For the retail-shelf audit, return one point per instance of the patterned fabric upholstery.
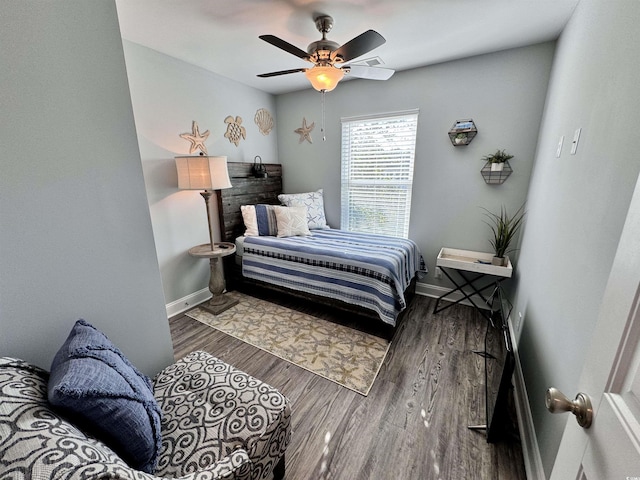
(38, 444)
(210, 409)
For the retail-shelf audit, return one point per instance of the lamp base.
(219, 304)
(219, 301)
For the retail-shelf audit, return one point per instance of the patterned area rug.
(343, 355)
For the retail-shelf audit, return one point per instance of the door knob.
(557, 402)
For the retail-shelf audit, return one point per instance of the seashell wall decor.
(264, 121)
(235, 131)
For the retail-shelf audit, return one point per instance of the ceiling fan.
(330, 59)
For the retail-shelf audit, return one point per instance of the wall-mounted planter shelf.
(462, 132)
(496, 177)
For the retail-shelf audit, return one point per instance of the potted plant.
(504, 229)
(461, 139)
(497, 160)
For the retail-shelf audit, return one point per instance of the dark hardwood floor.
(412, 425)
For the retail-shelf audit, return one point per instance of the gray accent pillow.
(95, 386)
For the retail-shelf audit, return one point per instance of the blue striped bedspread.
(371, 271)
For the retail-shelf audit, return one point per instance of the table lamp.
(203, 173)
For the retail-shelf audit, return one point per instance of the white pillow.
(250, 221)
(292, 221)
(315, 206)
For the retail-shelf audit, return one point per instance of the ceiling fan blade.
(281, 72)
(363, 43)
(286, 46)
(371, 73)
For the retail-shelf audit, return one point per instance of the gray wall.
(75, 233)
(504, 94)
(577, 203)
(76, 238)
(167, 95)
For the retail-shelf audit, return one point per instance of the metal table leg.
(467, 295)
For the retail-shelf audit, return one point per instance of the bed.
(375, 274)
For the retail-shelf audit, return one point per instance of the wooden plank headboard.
(247, 190)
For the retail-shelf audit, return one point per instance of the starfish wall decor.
(197, 140)
(305, 131)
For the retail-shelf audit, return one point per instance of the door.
(610, 449)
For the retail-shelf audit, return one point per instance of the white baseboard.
(185, 303)
(530, 451)
(436, 291)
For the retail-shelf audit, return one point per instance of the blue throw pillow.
(96, 387)
(266, 219)
(259, 220)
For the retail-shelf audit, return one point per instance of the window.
(377, 172)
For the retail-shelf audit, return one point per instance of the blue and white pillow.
(315, 206)
(259, 220)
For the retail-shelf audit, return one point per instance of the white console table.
(472, 274)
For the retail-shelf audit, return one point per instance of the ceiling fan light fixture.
(324, 77)
(328, 56)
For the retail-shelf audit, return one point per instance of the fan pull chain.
(324, 138)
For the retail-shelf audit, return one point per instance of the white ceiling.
(222, 35)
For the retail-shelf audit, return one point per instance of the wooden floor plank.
(414, 422)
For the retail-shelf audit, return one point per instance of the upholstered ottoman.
(211, 410)
(217, 423)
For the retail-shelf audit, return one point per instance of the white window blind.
(378, 154)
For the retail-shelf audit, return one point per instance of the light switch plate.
(559, 149)
(574, 144)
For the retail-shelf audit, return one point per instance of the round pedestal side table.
(219, 301)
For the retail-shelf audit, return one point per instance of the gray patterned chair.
(217, 423)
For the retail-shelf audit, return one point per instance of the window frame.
(367, 149)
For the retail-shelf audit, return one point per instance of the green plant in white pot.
(504, 229)
(461, 139)
(497, 160)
